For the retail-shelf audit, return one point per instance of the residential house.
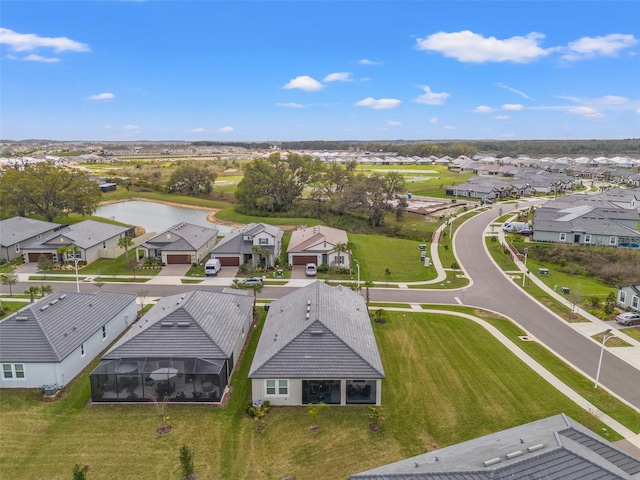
(184, 349)
(183, 243)
(317, 345)
(554, 448)
(252, 243)
(18, 232)
(629, 297)
(318, 245)
(89, 236)
(52, 340)
(586, 224)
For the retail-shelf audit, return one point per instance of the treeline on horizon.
(500, 148)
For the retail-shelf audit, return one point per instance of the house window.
(263, 241)
(17, 247)
(563, 237)
(635, 301)
(339, 259)
(104, 244)
(277, 387)
(82, 349)
(12, 370)
(104, 332)
(622, 297)
(587, 239)
(612, 240)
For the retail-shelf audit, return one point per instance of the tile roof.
(303, 238)
(51, 328)
(335, 341)
(554, 448)
(84, 234)
(18, 229)
(199, 323)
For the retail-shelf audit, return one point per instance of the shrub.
(323, 268)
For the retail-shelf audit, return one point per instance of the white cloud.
(366, 61)
(394, 124)
(102, 96)
(379, 103)
(27, 42)
(432, 98)
(586, 112)
(226, 130)
(291, 105)
(589, 47)
(449, 127)
(483, 109)
(501, 117)
(304, 82)
(513, 90)
(196, 130)
(467, 46)
(338, 77)
(434, 120)
(32, 57)
(131, 127)
(638, 111)
(514, 107)
(610, 100)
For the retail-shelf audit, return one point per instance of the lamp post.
(358, 267)
(604, 340)
(524, 274)
(76, 260)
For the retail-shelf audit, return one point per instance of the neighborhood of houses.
(317, 343)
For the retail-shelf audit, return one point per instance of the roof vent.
(43, 308)
(166, 324)
(183, 324)
(493, 461)
(21, 318)
(307, 316)
(64, 295)
(515, 454)
(533, 448)
(316, 332)
(53, 302)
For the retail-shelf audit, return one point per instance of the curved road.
(492, 290)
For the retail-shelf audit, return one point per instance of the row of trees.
(274, 184)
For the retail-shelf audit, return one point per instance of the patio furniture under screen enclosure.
(151, 379)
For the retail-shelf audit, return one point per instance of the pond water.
(156, 217)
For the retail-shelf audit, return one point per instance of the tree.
(341, 248)
(125, 242)
(187, 464)
(387, 274)
(142, 294)
(367, 285)
(9, 278)
(44, 263)
(192, 180)
(80, 473)
(47, 190)
(314, 414)
(62, 252)
(32, 291)
(377, 418)
(131, 264)
(372, 195)
(45, 290)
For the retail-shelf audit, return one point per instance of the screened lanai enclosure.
(159, 379)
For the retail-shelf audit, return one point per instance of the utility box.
(422, 246)
(566, 290)
(543, 271)
(427, 261)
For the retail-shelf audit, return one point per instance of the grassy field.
(440, 389)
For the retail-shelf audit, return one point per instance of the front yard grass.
(447, 380)
(9, 307)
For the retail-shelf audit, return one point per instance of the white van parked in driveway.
(212, 267)
(514, 226)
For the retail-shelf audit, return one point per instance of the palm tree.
(62, 254)
(256, 249)
(45, 290)
(9, 278)
(125, 242)
(341, 248)
(367, 284)
(32, 291)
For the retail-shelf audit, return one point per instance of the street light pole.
(604, 340)
(358, 267)
(524, 274)
(76, 260)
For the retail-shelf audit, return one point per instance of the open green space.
(440, 389)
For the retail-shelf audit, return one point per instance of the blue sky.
(305, 70)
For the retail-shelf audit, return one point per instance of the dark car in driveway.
(526, 231)
(628, 318)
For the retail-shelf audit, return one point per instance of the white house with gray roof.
(554, 448)
(629, 297)
(318, 245)
(18, 232)
(252, 243)
(52, 340)
(317, 345)
(184, 349)
(183, 243)
(89, 236)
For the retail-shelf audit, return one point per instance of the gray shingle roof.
(84, 234)
(192, 237)
(337, 340)
(34, 334)
(18, 229)
(199, 324)
(585, 219)
(233, 242)
(554, 448)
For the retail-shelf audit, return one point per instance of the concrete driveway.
(298, 272)
(174, 270)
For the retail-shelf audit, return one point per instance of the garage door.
(229, 261)
(304, 259)
(33, 257)
(178, 259)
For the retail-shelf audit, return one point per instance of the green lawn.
(10, 307)
(440, 389)
(115, 266)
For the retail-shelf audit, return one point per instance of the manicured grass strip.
(611, 341)
(439, 390)
(504, 261)
(388, 304)
(56, 278)
(455, 279)
(188, 280)
(633, 332)
(123, 279)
